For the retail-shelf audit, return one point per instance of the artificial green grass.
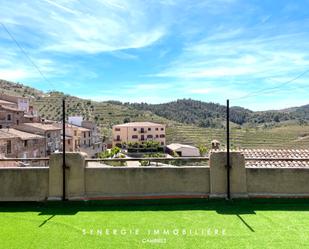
(218, 224)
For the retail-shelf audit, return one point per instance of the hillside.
(188, 121)
(213, 115)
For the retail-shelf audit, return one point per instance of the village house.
(15, 110)
(182, 150)
(138, 132)
(96, 137)
(19, 144)
(76, 137)
(96, 141)
(10, 116)
(68, 143)
(51, 133)
(20, 103)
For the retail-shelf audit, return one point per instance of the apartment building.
(138, 132)
(51, 134)
(19, 144)
(10, 116)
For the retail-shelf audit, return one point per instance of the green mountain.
(213, 115)
(188, 121)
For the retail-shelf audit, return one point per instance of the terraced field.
(288, 137)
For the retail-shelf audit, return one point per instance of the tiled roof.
(4, 102)
(282, 157)
(176, 146)
(5, 135)
(276, 164)
(77, 127)
(283, 153)
(68, 126)
(41, 126)
(138, 124)
(10, 108)
(23, 135)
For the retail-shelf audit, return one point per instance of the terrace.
(196, 223)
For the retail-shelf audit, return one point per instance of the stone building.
(51, 133)
(10, 116)
(19, 144)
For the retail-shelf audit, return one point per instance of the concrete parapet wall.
(95, 182)
(146, 181)
(24, 184)
(278, 182)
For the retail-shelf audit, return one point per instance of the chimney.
(215, 145)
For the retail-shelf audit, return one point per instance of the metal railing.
(151, 161)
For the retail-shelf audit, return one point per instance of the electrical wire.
(270, 89)
(27, 56)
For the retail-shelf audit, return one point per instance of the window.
(89, 133)
(48, 135)
(0, 126)
(117, 129)
(25, 143)
(84, 142)
(69, 141)
(75, 133)
(9, 147)
(134, 137)
(118, 138)
(149, 129)
(157, 135)
(162, 135)
(17, 122)
(134, 129)
(157, 129)
(9, 117)
(84, 134)
(149, 136)
(162, 129)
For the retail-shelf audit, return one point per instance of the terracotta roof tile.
(266, 156)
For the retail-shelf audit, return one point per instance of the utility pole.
(63, 150)
(228, 148)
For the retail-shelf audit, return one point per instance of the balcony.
(142, 131)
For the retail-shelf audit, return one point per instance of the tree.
(203, 149)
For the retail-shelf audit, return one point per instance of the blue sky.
(156, 51)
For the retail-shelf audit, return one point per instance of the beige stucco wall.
(23, 184)
(285, 182)
(146, 181)
(126, 134)
(39, 183)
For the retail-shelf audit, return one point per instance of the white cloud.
(89, 26)
(14, 74)
(242, 57)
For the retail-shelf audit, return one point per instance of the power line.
(26, 54)
(270, 89)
